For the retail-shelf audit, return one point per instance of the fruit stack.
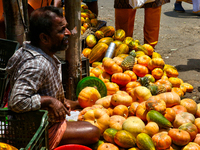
(144, 106)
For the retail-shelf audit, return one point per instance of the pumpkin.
(183, 117)
(96, 63)
(141, 111)
(139, 53)
(88, 96)
(190, 128)
(156, 103)
(96, 71)
(191, 146)
(112, 88)
(143, 60)
(107, 30)
(197, 115)
(98, 52)
(183, 88)
(188, 86)
(179, 108)
(121, 49)
(120, 78)
(111, 67)
(151, 129)
(197, 123)
(179, 137)
(140, 94)
(157, 73)
(131, 74)
(178, 91)
(107, 146)
(132, 108)
(156, 55)
(121, 110)
(140, 70)
(121, 98)
(118, 60)
(105, 77)
(197, 139)
(98, 118)
(170, 114)
(134, 125)
(171, 72)
(116, 122)
(104, 101)
(156, 63)
(164, 83)
(175, 81)
(119, 35)
(92, 74)
(161, 140)
(131, 85)
(170, 98)
(149, 48)
(190, 105)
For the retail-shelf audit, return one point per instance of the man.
(35, 77)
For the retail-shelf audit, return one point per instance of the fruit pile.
(144, 105)
(88, 18)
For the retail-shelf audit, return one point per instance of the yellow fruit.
(124, 139)
(84, 6)
(92, 16)
(83, 29)
(87, 20)
(109, 134)
(94, 22)
(91, 40)
(82, 20)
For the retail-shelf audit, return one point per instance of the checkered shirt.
(33, 74)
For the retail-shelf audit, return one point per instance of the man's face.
(59, 35)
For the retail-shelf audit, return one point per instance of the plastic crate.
(25, 131)
(7, 49)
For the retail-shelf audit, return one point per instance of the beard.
(60, 46)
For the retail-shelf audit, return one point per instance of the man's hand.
(55, 106)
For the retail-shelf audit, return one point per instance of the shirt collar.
(35, 51)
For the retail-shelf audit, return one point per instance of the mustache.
(66, 37)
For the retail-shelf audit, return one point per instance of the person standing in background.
(125, 17)
(178, 6)
(92, 5)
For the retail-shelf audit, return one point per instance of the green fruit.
(109, 134)
(144, 142)
(157, 117)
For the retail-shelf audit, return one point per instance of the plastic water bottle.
(110, 51)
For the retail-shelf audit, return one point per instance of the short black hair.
(41, 22)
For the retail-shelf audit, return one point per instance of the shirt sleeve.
(24, 95)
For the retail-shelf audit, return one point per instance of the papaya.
(124, 139)
(122, 49)
(157, 117)
(108, 30)
(119, 35)
(109, 134)
(117, 42)
(141, 48)
(106, 40)
(144, 142)
(99, 34)
(91, 40)
(127, 40)
(98, 52)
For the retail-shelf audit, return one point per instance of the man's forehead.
(60, 20)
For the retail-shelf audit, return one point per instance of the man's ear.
(44, 38)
